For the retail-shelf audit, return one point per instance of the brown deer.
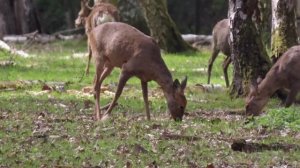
(283, 74)
(116, 44)
(90, 17)
(220, 43)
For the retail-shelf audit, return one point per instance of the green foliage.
(279, 119)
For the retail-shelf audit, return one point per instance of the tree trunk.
(162, 27)
(67, 14)
(21, 17)
(131, 13)
(8, 18)
(283, 28)
(17, 17)
(298, 18)
(248, 54)
(2, 26)
(265, 21)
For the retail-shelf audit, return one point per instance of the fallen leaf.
(46, 87)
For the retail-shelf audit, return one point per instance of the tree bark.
(284, 33)
(249, 57)
(265, 21)
(131, 13)
(2, 26)
(17, 17)
(8, 18)
(298, 18)
(162, 27)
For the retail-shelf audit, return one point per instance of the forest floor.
(46, 118)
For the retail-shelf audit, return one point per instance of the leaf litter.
(50, 127)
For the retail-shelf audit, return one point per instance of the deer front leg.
(145, 96)
(122, 81)
(291, 97)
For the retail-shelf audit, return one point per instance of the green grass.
(56, 129)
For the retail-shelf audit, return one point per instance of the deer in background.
(283, 74)
(116, 44)
(90, 17)
(220, 43)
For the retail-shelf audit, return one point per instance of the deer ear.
(87, 5)
(176, 84)
(183, 83)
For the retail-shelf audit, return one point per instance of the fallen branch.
(7, 48)
(69, 31)
(197, 39)
(43, 38)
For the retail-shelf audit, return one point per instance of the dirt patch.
(250, 147)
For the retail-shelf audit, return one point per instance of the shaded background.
(49, 16)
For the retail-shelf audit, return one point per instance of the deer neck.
(269, 86)
(165, 80)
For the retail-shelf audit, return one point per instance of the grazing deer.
(283, 74)
(220, 43)
(90, 17)
(116, 44)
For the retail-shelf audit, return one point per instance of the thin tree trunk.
(2, 26)
(283, 28)
(18, 17)
(21, 18)
(265, 21)
(197, 12)
(249, 57)
(298, 18)
(8, 17)
(68, 19)
(162, 27)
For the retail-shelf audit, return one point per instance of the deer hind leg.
(145, 96)
(107, 70)
(211, 62)
(122, 81)
(226, 63)
(97, 86)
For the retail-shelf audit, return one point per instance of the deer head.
(254, 101)
(83, 13)
(177, 102)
